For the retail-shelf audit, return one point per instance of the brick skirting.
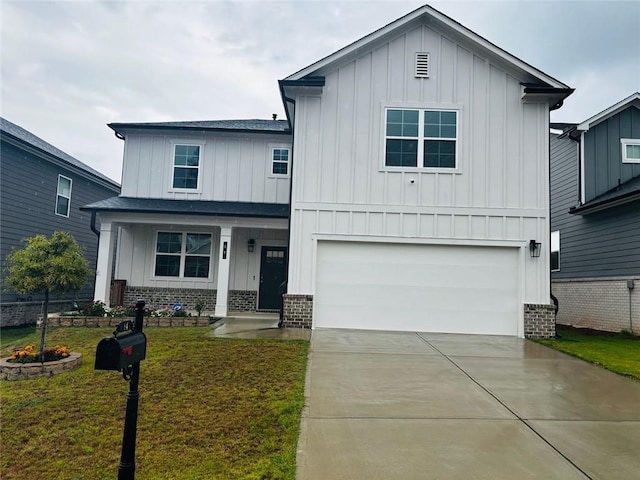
(242, 301)
(599, 303)
(161, 297)
(539, 320)
(298, 311)
(16, 314)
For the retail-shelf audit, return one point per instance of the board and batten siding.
(28, 190)
(233, 167)
(135, 260)
(498, 193)
(600, 244)
(603, 167)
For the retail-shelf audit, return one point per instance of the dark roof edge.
(537, 88)
(118, 127)
(588, 208)
(121, 209)
(87, 172)
(304, 82)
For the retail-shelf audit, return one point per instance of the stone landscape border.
(24, 371)
(74, 321)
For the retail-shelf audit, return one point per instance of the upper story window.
(555, 251)
(184, 255)
(186, 166)
(630, 150)
(280, 161)
(421, 138)
(63, 197)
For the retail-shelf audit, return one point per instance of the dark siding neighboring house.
(595, 220)
(41, 190)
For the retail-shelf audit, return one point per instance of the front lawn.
(210, 408)
(619, 353)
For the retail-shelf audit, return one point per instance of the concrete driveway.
(395, 405)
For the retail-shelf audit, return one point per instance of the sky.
(68, 68)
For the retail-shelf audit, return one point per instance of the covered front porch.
(230, 256)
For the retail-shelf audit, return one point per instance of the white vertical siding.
(232, 168)
(498, 193)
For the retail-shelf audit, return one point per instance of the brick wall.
(298, 311)
(161, 297)
(242, 301)
(26, 313)
(539, 321)
(598, 303)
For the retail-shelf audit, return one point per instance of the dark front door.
(272, 273)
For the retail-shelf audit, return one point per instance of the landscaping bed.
(210, 408)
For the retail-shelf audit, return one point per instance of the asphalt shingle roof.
(625, 191)
(190, 207)
(253, 125)
(7, 127)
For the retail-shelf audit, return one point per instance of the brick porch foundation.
(297, 310)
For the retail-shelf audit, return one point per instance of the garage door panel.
(454, 289)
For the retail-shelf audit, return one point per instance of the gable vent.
(422, 65)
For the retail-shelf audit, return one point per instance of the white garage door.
(428, 288)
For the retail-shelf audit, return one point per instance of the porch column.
(104, 264)
(223, 272)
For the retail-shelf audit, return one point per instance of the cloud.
(69, 68)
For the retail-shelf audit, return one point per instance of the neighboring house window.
(186, 166)
(280, 161)
(630, 150)
(186, 255)
(421, 138)
(555, 251)
(63, 197)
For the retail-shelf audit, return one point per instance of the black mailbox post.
(123, 352)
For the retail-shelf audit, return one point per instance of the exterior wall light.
(534, 248)
(251, 245)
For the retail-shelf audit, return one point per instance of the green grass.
(619, 353)
(210, 408)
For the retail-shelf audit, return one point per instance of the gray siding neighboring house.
(36, 181)
(595, 220)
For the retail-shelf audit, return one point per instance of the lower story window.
(186, 255)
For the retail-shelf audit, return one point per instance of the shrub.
(96, 308)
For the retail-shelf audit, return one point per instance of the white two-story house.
(418, 159)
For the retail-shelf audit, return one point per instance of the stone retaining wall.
(113, 321)
(24, 371)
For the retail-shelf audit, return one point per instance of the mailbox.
(117, 353)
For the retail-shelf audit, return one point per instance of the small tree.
(52, 266)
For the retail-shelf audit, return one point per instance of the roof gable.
(438, 21)
(631, 100)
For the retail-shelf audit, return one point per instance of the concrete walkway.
(257, 325)
(393, 405)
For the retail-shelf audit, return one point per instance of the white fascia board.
(446, 22)
(610, 112)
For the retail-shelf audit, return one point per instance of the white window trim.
(58, 194)
(439, 108)
(183, 255)
(275, 146)
(629, 141)
(555, 247)
(172, 158)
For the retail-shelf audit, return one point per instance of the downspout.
(554, 299)
(285, 287)
(97, 232)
